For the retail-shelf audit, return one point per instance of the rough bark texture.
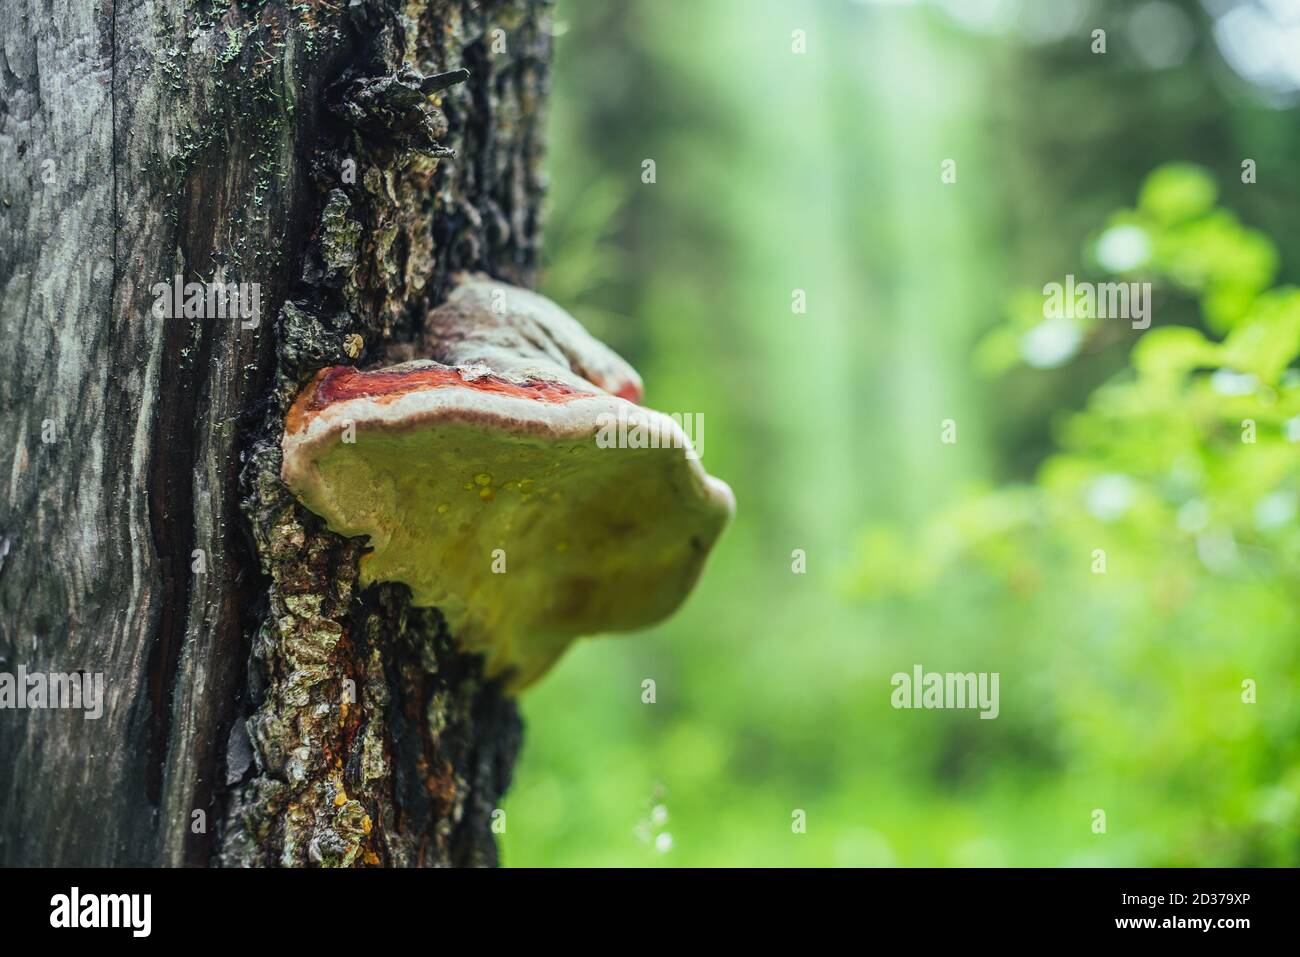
(144, 532)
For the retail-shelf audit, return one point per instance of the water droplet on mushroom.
(443, 508)
(483, 478)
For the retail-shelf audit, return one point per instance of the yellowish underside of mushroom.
(523, 544)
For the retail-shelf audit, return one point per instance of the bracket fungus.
(485, 480)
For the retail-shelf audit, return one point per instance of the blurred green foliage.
(1168, 454)
(1162, 545)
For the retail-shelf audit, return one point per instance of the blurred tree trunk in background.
(259, 709)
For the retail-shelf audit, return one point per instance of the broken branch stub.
(396, 106)
(485, 480)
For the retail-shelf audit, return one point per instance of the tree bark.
(261, 709)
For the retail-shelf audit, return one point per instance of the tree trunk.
(260, 709)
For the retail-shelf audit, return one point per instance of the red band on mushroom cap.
(631, 391)
(340, 383)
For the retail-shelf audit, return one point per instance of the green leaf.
(1176, 193)
(1173, 351)
(1270, 340)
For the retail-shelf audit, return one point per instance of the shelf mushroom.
(511, 481)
